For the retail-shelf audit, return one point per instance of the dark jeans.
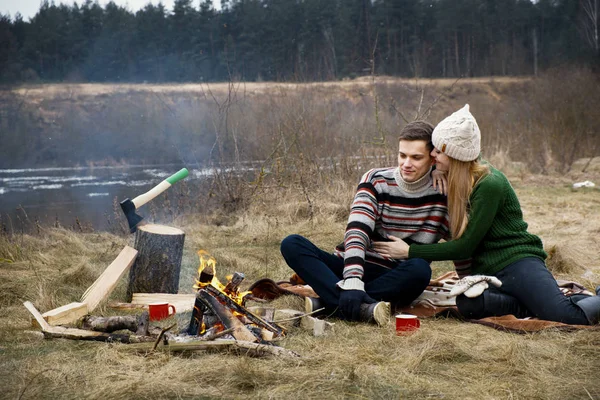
(322, 270)
(528, 290)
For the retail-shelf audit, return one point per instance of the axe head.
(132, 218)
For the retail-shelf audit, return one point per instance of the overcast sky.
(28, 8)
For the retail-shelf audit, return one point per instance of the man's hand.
(350, 301)
(440, 181)
(397, 248)
(473, 285)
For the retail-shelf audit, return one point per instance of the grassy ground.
(444, 359)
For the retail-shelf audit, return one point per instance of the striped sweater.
(385, 205)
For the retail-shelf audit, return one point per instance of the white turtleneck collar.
(413, 187)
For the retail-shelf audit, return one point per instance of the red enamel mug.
(160, 311)
(406, 324)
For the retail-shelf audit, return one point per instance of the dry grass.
(60, 90)
(445, 359)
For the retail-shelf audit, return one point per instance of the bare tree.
(589, 24)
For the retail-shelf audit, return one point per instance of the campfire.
(220, 309)
(220, 320)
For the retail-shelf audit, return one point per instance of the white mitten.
(473, 285)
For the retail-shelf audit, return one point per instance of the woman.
(487, 225)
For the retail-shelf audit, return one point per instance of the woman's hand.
(440, 181)
(397, 248)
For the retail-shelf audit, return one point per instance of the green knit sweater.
(496, 234)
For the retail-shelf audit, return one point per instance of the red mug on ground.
(160, 311)
(406, 323)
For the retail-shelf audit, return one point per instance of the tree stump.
(158, 264)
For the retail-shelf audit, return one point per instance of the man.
(356, 283)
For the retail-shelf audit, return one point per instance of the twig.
(434, 102)
(299, 316)
(160, 336)
(587, 164)
(309, 201)
(393, 105)
(380, 131)
(420, 103)
(33, 378)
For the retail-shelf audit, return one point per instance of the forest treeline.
(297, 40)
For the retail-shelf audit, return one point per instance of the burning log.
(227, 304)
(232, 288)
(158, 263)
(255, 319)
(195, 326)
(240, 332)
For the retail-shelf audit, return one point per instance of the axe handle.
(158, 189)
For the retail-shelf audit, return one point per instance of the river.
(79, 194)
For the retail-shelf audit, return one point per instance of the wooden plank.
(66, 314)
(106, 282)
(181, 301)
(115, 305)
(38, 316)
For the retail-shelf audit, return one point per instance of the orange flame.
(207, 276)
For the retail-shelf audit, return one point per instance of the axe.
(130, 206)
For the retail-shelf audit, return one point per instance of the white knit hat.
(458, 136)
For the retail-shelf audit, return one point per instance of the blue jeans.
(528, 290)
(322, 271)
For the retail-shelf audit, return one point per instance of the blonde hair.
(462, 178)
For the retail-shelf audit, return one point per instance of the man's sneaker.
(312, 304)
(378, 313)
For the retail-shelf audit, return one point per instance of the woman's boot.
(591, 307)
(490, 304)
